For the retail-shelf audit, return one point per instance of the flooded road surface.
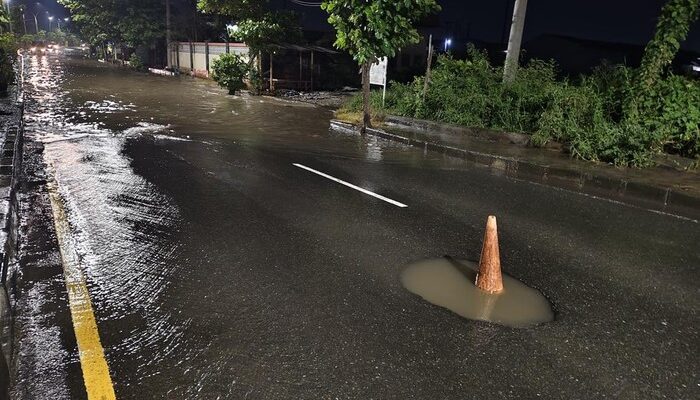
(450, 283)
(216, 268)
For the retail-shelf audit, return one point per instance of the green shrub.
(354, 104)
(676, 116)
(229, 71)
(469, 92)
(588, 114)
(135, 62)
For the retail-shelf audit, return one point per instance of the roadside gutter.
(11, 142)
(664, 190)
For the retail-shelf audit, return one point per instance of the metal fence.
(196, 58)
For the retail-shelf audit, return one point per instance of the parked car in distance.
(38, 48)
(54, 48)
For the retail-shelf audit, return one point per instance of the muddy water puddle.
(449, 283)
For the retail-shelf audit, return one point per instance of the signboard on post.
(377, 75)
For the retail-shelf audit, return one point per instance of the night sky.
(625, 21)
(622, 21)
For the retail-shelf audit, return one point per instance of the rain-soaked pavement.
(218, 269)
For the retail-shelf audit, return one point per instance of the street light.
(448, 43)
(58, 22)
(36, 14)
(50, 20)
(36, 22)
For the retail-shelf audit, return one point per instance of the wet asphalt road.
(217, 269)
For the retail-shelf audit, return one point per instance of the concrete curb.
(161, 72)
(655, 198)
(518, 139)
(11, 146)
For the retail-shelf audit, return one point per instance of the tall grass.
(587, 114)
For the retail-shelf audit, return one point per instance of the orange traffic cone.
(489, 278)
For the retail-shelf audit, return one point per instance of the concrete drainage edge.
(659, 199)
(11, 150)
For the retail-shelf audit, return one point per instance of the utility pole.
(194, 26)
(167, 33)
(516, 37)
(429, 64)
(36, 23)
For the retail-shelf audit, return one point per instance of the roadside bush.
(354, 104)
(469, 92)
(675, 115)
(589, 114)
(462, 92)
(578, 117)
(229, 71)
(135, 62)
(26, 40)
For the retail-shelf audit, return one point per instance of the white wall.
(199, 56)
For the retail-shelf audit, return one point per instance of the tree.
(8, 52)
(141, 21)
(96, 19)
(672, 28)
(643, 104)
(370, 30)
(123, 22)
(5, 18)
(256, 26)
(242, 9)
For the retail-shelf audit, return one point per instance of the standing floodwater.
(217, 269)
(449, 283)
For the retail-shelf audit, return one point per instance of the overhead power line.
(306, 3)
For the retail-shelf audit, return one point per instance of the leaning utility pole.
(516, 37)
(167, 33)
(428, 65)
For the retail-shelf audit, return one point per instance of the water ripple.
(121, 225)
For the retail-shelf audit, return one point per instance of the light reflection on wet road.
(219, 270)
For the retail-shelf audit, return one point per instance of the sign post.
(377, 75)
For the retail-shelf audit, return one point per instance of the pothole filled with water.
(449, 283)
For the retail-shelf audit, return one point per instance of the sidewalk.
(661, 189)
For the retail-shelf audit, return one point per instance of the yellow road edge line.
(98, 382)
